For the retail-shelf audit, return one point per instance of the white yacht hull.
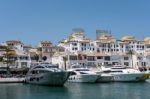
(84, 78)
(123, 77)
(12, 80)
(129, 77)
(49, 78)
(105, 78)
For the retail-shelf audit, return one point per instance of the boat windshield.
(48, 65)
(116, 71)
(83, 73)
(39, 67)
(118, 67)
(82, 70)
(51, 66)
(77, 66)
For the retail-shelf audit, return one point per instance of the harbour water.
(77, 91)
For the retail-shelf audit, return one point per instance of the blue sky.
(34, 20)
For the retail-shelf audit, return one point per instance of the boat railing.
(11, 76)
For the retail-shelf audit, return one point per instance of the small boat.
(7, 77)
(82, 74)
(47, 74)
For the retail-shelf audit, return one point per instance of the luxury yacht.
(104, 76)
(122, 74)
(47, 74)
(81, 74)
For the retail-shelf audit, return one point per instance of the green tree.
(44, 58)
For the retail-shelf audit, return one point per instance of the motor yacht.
(47, 74)
(123, 74)
(82, 74)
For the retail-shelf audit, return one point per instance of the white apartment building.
(21, 58)
(106, 49)
(47, 49)
(77, 41)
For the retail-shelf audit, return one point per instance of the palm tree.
(9, 55)
(131, 52)
(39, 49)
(65, 61)
(1, 59)
(36, 57)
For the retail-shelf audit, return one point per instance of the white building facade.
(106, 49)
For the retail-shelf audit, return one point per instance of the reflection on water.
(77, 91)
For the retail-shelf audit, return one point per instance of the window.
(26, 58)
(84, 57)
(76, 48)
(92, 44)
(148, 46)
(82, 49)
(114, 63)
(83, 44)
(23, 64)
(126, 58)
(103, 45)
(91, 64)
(108, 45)
(144, 63)
(99, 57)
(139, 58)
(107, 58)
(90, 58)
(73, 57)
(74, 44)
(98, 50)
(126, 63)
(105, 63)
(79, 57)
